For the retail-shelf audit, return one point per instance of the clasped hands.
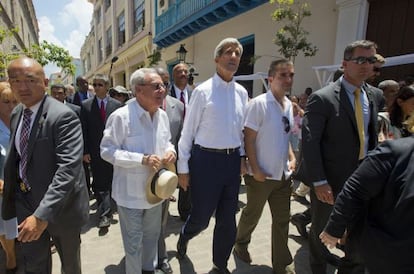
(155, 162)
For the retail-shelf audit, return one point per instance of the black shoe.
(104, 222)
(181, 247)
(302, 200)
(298, 221)
(165, 267)
(11, 271)
(216, 270)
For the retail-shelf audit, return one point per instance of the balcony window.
(108, 48)
(121, 29)
(107, 4)
(139, 15)
(100, 50)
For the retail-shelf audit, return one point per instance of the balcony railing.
(187, 17)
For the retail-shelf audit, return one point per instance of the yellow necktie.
(360, 123)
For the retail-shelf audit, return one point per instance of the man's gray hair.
(102, 77)
(138, 77)
(225, 42)
(387, 83)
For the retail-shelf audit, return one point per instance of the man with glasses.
(339, 128)
(94, 113)
(137, 142)
(269, 119)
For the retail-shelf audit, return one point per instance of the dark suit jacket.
(384, 181)
(330, 141)
(175, 110)
(76, 99)
(54, 168)
(93, 127)
(74, 107)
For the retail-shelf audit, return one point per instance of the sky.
(64, 23)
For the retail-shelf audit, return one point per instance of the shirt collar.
(219, 81)
(350, 88)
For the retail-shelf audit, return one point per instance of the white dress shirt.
(214, 119)
(264, 115)
(178, 92)
(130, 133)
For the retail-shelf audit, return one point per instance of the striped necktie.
(24, 141)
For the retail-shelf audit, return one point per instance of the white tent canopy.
(324, 74)
(256, 76)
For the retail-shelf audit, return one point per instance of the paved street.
(104, 253)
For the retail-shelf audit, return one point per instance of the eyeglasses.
(286, 123)
(97, 85)
(362, 60)
(285, 75)
(156, 86)
(377, 69)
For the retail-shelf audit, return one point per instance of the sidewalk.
(105, 254)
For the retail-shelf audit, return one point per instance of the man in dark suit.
(385, 180)
(58, 91)
(94, 112)
(44, 180)
(175, 112)
(181, 90)
(339, 127)
(83, 91)
(77, 98)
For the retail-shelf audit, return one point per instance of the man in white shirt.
(136, 141)
(267, 129)
(213, 136)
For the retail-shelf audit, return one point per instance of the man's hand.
(184, 180)
(1, 186)
(153, 162)
(292, 165)
(259, 175)
(31, 229)
(328, 240)
(243, 166)
(169, 158)
(87, 158)
(324, 194)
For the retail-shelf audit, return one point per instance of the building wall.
(258, 22)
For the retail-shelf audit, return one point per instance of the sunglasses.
(157, 86)
(286, 123)
(362, 60)
(97, 85)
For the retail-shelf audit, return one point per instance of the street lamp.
(113, 60)
(181, 53)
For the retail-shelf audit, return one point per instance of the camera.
(191, 76)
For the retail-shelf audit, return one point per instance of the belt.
(217, 150)
(23, 188)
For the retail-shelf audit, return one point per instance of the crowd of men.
(210, 136)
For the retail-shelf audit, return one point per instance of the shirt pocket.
(136, 184)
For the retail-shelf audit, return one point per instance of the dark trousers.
(350, 264)
(102, 184)
(36, 254)
(215, 182)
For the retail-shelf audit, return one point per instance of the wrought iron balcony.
(187, 17)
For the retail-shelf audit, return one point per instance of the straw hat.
(161, 184)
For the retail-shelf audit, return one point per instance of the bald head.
(27, 80)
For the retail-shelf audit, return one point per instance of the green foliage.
(49, 53)
(5, 57)
(292, 37)
(154, 58)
